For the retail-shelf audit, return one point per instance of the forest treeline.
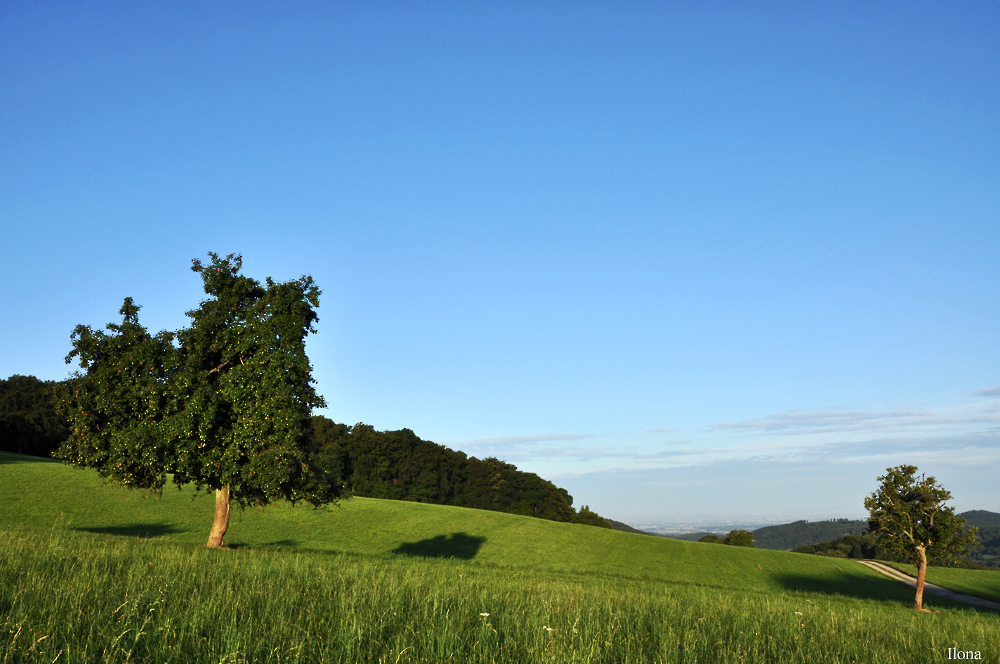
(399, 465)
(396, 465)
(28, 420)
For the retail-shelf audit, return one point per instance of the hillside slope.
(74, 499)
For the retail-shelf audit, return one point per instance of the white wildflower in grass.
(549, 629)
(798, 613)
(484, 614)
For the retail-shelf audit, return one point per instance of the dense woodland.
(28, 420)
(396, 465)
(399, 465)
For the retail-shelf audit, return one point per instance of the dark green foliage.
(739, 538)
(908, 518)
(688, 537)
(401, 466)
(981, 518)
(710, 539)
(223, 403)
(988, 534)
(29, 423)
(800, 533)
(848, 546)
(590, 518)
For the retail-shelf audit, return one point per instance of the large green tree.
(908, 517)
(224, 404)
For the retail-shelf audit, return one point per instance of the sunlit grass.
(338, 586)
(38, 493)
(87, 598)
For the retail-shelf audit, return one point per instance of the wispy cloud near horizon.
(968, 433)
(524, 439)
(844, 420)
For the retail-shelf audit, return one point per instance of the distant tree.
(711, 539)
(590, 518)
(29, 423)
(739, 538)
(224, 403)
(907, 515)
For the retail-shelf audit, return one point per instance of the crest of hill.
(981, 519)
(625, 528)
(789, 536)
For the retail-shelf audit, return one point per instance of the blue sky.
(708, 261)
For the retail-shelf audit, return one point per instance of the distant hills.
(799, 533)
(625, 528)
(788, 536)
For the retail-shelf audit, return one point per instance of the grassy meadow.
(90, 573)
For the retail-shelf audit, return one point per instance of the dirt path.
(929, 588)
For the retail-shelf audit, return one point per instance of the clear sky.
(717, 260)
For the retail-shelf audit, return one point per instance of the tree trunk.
(221, 523)
(921, 573)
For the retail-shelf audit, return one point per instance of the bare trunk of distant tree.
(221, 523)
(921, 573)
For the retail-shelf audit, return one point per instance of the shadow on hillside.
(881, 589)
(276, 544)
(456, 545)
(136, 530)
(12, 457)
(847, 585)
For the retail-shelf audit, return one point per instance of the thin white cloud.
(834, 437)
(976, 449)
(524, 439)
(839, 420)
(988, 392)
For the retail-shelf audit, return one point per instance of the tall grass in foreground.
(73, 597)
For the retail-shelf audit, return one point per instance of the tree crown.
(908, 516)
(224, 402)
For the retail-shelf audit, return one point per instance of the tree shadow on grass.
(881, 589)
(456, 545)
(7, 457)
(269, 546)
(135, 530)
(847, 585)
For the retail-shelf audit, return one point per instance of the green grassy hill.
(75, 499)
(394, 581)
